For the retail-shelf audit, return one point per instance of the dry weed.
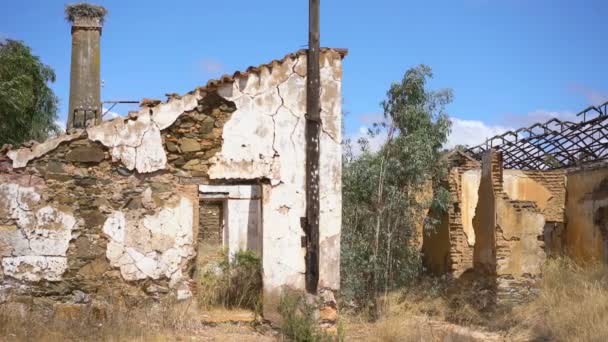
(572, 304)
(150, 322)
(398, 329)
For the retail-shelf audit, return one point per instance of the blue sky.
(509, 62)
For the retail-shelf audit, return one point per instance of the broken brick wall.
(509, 235)
(586, 234)
(484, 220)
(462, 238)
(547, 189)
(448, 248)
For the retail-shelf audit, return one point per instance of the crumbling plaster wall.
(448, 247)
(545, 188)
(34, 237)
(264, 138)
(461, 249)
(484, 220)
(119, 217)
(469, 198)
(587, 214)
(123, 195)
(90, 225)
(509, 234)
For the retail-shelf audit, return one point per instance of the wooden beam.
(313, 128)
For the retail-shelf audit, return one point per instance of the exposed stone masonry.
(112, 211)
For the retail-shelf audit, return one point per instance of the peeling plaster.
(137, 143)
(22, 156)
(262, 140)
(276, 98)
(35, 246)
(152, 246)
(35, 268)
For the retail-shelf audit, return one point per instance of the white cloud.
(472, 132)
(465, 131)
(108, 114)
(475, 132)
(372, 143)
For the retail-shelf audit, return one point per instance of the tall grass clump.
(235, 283)
(299, 318)
(572, 304)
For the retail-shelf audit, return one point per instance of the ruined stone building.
(523, 196)
(122, 207)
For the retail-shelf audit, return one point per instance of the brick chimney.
(85, 82)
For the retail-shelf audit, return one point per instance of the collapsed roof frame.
(554, 144)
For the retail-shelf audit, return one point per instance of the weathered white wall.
(263, 141)
(152, 246)
(138, 143)
(264, 138)
(242, 213)
(34, 238)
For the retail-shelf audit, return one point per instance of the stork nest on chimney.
(84, 10)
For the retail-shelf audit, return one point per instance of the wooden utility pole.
(313, 127)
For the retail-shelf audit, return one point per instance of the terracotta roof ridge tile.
(213, 84)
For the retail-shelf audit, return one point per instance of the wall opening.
(212, 235)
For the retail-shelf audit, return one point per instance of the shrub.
(233, 284)
(299, 318)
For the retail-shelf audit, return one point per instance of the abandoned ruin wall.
(448, 248)
(509, 234)
(514, 219)
(586, 233)
(114, 209)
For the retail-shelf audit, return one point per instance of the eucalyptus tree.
(381, 189)
(28, 107)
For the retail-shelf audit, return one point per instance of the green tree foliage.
(28, 107)
(380, 188)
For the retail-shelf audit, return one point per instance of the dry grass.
(152, 322)
(418, 315)
(572, 304)
(398, 329)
